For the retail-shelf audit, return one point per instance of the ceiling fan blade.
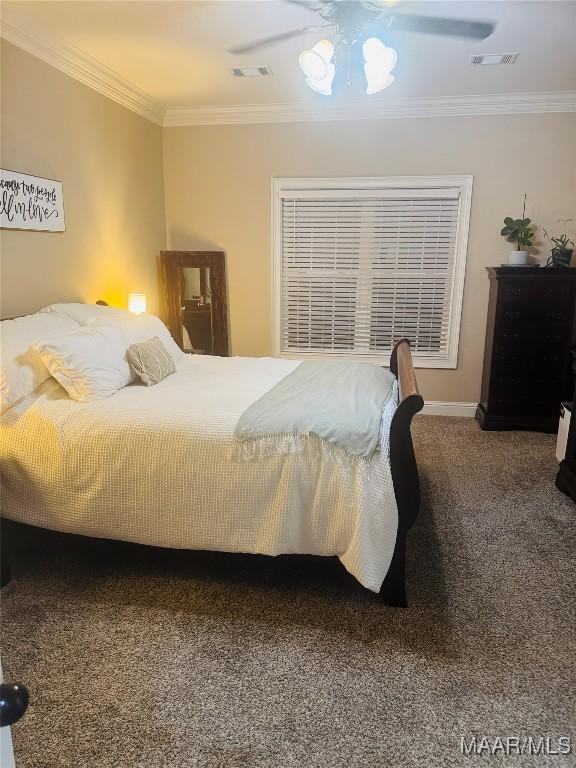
(436, 25)
(313, 5)
(266, 41)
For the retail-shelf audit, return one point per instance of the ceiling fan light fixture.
(379, 83)
(324, 48)
(313, 65)
(379, 61)
(316, 63)
(377, 54)
(323, 86)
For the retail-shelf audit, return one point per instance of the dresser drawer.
(534, 293)
(514, 383)
(533, 307)
(524, 338)
(512, 395)
(542, 356)
(541, 406)
(532, 317)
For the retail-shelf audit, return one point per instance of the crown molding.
(79, 65)
(446, 106)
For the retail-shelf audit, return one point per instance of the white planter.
(517, 258)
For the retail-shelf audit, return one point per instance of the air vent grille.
(493, 58)
(252, 71)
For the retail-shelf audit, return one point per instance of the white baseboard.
(442, 408)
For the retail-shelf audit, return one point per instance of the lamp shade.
(137, 303)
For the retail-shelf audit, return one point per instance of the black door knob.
(13, 702)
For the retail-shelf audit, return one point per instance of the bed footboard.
(403, 468)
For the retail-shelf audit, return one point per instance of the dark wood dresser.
(530, 329)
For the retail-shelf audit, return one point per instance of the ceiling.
(176, 50)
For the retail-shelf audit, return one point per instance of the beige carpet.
(159, 659)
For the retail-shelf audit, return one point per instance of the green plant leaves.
(518, 231)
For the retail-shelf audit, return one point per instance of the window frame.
(463, 182)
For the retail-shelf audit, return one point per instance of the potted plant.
(562, 248)
(520, 232)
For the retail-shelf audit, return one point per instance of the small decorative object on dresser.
(521, 232)
(530, 329)
(562, 248)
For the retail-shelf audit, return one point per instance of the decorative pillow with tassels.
(150, 361)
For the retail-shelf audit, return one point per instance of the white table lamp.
(137, 303)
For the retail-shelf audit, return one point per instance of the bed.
(160, 466)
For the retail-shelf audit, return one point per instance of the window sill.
(420, 361)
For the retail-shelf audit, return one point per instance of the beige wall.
(217, 182)
(110, 162)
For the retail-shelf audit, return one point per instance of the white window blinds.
(361, 268)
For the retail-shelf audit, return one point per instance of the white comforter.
(157, 465)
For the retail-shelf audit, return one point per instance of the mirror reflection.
(197, 310)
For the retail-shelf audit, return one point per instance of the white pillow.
(137, 328)
(83, 313)
(90, 363)
(22, 370)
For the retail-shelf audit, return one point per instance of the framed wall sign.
(30, 202)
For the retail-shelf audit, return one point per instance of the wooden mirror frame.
(172, 279)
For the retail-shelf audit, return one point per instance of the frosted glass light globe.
(376, 54)
(378, 83)
(323, 86)
(315, 62)
(313, 65)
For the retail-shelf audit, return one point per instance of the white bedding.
(157, 465)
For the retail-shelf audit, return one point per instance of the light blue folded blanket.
(338, 402)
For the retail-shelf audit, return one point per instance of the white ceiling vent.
(494, 58)
(252, 71)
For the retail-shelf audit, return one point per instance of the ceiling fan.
(355, 21)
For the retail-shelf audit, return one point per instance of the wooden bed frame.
(404, 469)
(404, 472)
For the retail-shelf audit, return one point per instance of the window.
(361, 263)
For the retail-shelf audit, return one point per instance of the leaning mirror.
(197, 311)
(195, 299)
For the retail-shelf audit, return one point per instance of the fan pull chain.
(348, 79)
